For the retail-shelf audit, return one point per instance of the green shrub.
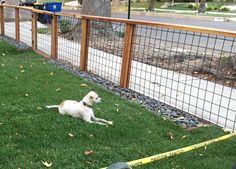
(43, 30)
(210, 8)
(65, 26)
(224, 9)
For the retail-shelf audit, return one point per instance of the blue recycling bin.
(52, 7)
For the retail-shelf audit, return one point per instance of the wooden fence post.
(17, 24)
(2, 20)
(84, 45)
(34, 31)
(54, 36)
(127, 56)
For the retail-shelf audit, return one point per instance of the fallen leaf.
(47, 164)
(22, 71)
(117, 110)
(51, 74)
(58, 89)
(170, 135)
(88, 152)
(39, 108)
(183, 137)
(90, 135)
(71, 135)
(3, 54)
(21, 66)
(83, 85)
(27, 95)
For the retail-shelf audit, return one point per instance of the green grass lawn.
(31, 134)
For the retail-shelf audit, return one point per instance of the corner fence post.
(84, 44)
(34, 31)
(17, 24)
(127, 55)
(2, 21)
(54, 36)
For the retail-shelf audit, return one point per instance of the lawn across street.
(31, 134)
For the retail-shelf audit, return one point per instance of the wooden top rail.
(220, 32)
(29, 9)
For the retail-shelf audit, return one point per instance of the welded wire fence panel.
(9, 19)
(26, 27)
(69, 39)
(44, 33)
(105, 49)
(194, 72)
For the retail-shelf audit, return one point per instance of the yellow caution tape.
(176, 152)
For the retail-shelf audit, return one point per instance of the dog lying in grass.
(82, 109)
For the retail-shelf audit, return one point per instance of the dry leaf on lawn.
(88, 152)
(170, 135)
(83, 85)
(71, 135)
(51, 74)
(47, 164)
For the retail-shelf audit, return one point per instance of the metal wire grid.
(190, 71)
(44, 33)
(105, 49)
(9, 19)
(69, 40)
(26, 27)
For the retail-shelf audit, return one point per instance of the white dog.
(82, 109)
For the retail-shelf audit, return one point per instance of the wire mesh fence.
(69, 39)
(9, 19)
(44, 33)
(105, 49)
(25, 27)
(194, 71)
(188, 70)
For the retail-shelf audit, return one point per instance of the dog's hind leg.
(96, 122)
(101, 120)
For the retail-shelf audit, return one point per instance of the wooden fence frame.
(128, 38)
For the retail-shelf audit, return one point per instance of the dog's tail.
(52, 106)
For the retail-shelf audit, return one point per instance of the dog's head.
(92, 97)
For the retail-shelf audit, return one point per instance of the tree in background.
(97, 7)
(151, 5)
(202, 7)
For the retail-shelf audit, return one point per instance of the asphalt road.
(183, 21)
(203, 43)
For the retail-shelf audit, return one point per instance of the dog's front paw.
(110, 122)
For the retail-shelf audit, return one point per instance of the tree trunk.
(202, 7)
(172, 2)
(151, 5)
(97, 7)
